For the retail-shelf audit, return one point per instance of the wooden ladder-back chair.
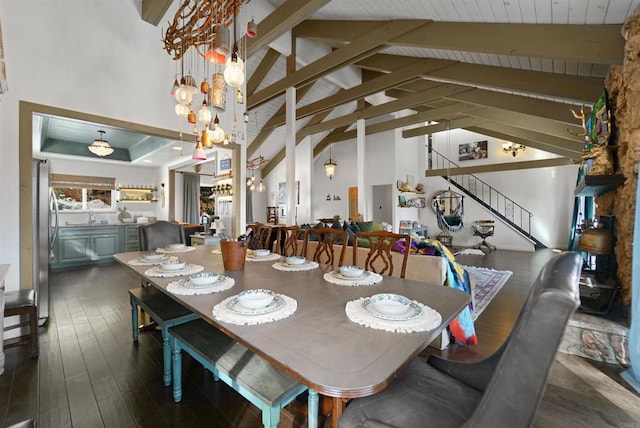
(502, 390)
(379, 258)
(325, 253)
(260, 237)
(291, 241)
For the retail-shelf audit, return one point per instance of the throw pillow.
(365, 226)
(354, 227)
(377, 227)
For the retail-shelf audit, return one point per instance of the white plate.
(364, 275)
(186, 283)
(234, 306)
(413, 311)
(153, 261)
(184, 269)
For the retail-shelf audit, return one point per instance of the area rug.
(469, 251)
(488, 283)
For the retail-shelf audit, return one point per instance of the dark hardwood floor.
(90, 373)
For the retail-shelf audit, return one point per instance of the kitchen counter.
(66, 224)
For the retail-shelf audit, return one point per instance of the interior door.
(353, 202)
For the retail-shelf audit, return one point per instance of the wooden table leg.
(336, 413)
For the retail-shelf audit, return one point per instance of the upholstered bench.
(265, 386)
(163, 310)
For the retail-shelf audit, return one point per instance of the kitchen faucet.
(91, 218)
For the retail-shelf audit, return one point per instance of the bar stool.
(23, 302)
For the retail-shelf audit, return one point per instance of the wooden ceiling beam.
(541, 137)
(262, 70)
(369, 87)
(433, 114)
(358, 49)
(442, 126)
(529, 122)
(439, 91)
(594, 43)
(510, 166)
(154, 10)
(576, 89)
(551, 110)
(288, 15)
(268, 129)
(279, 157)
(540, 144)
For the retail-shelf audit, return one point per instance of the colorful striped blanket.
(461, 328)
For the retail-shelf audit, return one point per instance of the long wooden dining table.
(318, 345)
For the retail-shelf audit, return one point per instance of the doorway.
(382, 202)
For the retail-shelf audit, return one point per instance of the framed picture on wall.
(282, 193)
(473, 151)
(225, 164)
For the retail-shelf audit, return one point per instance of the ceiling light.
(198, 153)
(177, 147)
(234, 71)
(330, 166)
(100, 147)
(261, 187)
(217, 135)
(252, 28)
(147, 161)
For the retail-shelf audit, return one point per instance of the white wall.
(81, 56)
(546, 192)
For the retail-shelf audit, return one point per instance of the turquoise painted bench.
(163, 310)
(265, 386)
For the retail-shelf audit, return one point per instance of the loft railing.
(496, 201)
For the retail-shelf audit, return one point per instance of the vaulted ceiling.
(506, 69)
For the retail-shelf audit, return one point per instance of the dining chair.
(260, 237)
(505, 389)
(160, 234)
(291, 241)
(379, 258)
(325, 252)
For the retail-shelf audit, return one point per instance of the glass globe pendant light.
(217, 134)
(204, 114)
(330, 166)
(183, 93)
(234, 70)
(182, 110)
(198, 153)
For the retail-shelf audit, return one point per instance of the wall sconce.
(330, 166)
(513, 148)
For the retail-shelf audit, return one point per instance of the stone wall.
(623, 85)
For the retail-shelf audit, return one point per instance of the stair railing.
(496, 201)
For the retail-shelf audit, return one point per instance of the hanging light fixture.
(100, 147)
(204, 114)
(261, 187)
(218, 92)
(513, 148)
(234, 70)
(330, 166)
(217, 135)
(234, 67)
(252, 28)
(198, 153)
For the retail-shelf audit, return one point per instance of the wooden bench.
(265, 386)
(163, 310)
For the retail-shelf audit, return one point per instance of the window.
(81, 193)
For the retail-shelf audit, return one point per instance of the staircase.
(493, 200)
